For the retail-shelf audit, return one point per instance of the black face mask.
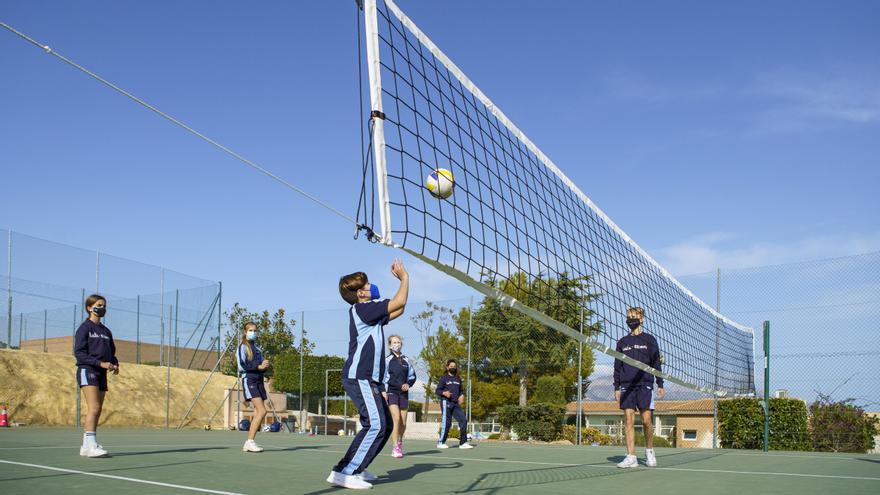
(633, 323)
(100, 311)
(453, 371)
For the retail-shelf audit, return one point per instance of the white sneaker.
(251, 446)
(629, 461)
(652, 459)
(93, 451)
(347, 481)
(465, 446)
(442, 446)
(367, 476)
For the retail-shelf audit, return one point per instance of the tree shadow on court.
(189, 450)
(130, 468)
(868, 460)
(492, 483)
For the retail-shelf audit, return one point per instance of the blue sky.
(714, 134)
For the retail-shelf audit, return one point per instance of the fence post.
(219, 317)
(717, 351)
(73, 346)
(176, 324)
(45, 317)
(469, 386)
(580, 384)
(138, 332)
(326, 391)
(766, 386)
(168, 384)
(9, 291)
(302, 340)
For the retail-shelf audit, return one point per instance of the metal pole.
(20, 328)
(168, 386)
(73, 345)
(766, 386)
(469, 388)
(9, 291)
(302, 339)
(345, 414)
(138, 332)
(219, 317)
(326, 389)
(717, 351)
(176, 324)
(162, 319)
(580, 384)
(45, 317)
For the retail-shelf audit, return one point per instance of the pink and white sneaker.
(397, 453)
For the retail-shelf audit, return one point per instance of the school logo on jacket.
(93, 335)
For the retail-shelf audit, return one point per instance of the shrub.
(841, 426)
(741, 424)
(535, 422)
(589, 436)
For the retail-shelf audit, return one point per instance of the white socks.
(90, 439)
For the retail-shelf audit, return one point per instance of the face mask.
(396, 347)
(453, 371)
(99, 311)
(374, 292)
(251, 335)
(633, 323)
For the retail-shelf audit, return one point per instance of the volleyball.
(440, 183)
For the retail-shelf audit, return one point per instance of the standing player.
(400, 375)
(633, 388)
(364, 369)
(95, 355)
(451, 393)
(251, 368)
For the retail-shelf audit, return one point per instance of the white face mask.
(251, 335)
(396, 347)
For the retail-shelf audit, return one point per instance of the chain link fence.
(158, 316)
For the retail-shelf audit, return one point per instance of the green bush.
(741, 424)
(841, 426)
(589, 436)
(495, 436)
(453, 432)
(535, 422)
(658, 441)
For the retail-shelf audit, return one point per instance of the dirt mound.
(40, 389)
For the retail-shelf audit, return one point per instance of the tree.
(507, 338)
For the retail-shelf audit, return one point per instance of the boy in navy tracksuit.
(364, 370)
(634, 388)
(451, 393)
(95, 355)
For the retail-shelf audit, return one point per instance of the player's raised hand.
(398, 270)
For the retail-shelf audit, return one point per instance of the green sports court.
(45, 460)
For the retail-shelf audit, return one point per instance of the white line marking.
(123, 478)
(612, 466)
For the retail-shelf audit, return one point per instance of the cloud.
(708, 252)
(805, 103)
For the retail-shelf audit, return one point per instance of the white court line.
(612, 466)
(74, 447)
(123, 478)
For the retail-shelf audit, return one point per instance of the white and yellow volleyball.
(440, 183)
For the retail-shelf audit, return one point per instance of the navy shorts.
(638, 397)
(253, 387)
(400, 400)
(89, 377)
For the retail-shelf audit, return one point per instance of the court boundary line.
(121, 478)
(612, 466)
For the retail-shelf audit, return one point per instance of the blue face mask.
(374, 292)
